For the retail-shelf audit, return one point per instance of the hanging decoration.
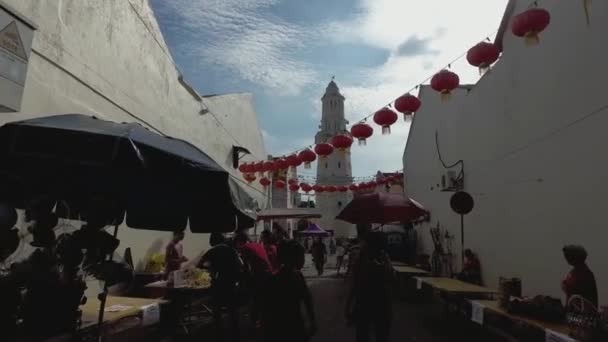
(342, 188)
(407, 105)
(331, 189)
(530, 23)
(259, 168)
(323, 150)
(281, 164)
(362, 132)
(265, 182)
(483, 55)
(385, 118)
(294, 161)
(268, 167)
(244, 168)
(292, 181)
(342, 142)
(294, 187)
(249, 177)
(318, 188)
(305, 187)
(307, 156)
(279, 184)
(353, 187)
(445, 82)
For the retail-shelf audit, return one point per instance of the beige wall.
(532, 136)
(108, 58)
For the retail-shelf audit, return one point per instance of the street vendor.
(174, 253)
(580, 280)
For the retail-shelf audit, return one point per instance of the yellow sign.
(10, 40)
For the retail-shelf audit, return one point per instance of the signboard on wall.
(16, 35)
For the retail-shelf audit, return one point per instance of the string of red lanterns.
(527, 24)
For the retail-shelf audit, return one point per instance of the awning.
(314, 230)
(246, 205)
(288, 213)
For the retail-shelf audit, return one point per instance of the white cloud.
(239, 37)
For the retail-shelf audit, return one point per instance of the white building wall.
(532, 137)
(108, 58)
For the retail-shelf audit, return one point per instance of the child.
(286, 291)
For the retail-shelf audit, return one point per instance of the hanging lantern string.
(446, 66)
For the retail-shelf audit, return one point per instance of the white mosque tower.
(336, 168)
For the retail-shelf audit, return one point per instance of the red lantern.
(281, 164)
(407, 104)
(530, 23)
(331, 188)
(305, 187)
(249, 177)
(259, 168)
(362, 132)
(342, 142)
(294, 161)
(483, 55)
(353, 187)
(307, 156)
(244, 167)
(342, 188)
(318, 188)
(323, 150)
(294, 187)
(279, 184)
(385, 118)
(268, 166)
(372, 184)
(265, 182)
(382, 181)
(444, 82)
(292, 181)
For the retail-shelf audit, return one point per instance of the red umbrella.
(382, 208)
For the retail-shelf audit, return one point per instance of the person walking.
(368, 304)
(271, 249)
(319, 255)
(225, 266)
(340, 253)
(286, 292)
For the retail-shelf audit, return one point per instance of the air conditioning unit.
(452, 181)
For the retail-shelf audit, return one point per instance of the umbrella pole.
(102, 298)
(462, 239)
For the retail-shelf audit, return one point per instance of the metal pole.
(462, 239)
(102, 298)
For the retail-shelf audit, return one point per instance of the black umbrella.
(161, 183)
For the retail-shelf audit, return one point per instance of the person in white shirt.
(340, 252)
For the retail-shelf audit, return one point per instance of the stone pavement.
(411, 322)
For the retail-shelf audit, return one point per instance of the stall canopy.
(159, 182)
(383, 208)
(314, 230)
(288, 213)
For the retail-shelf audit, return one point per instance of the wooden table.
(456, 287)
(409, 270)
(534, 329)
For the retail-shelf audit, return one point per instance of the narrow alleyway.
(424, 322)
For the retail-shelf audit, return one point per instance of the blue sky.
(284, 52)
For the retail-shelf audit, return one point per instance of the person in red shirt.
(174, 253)
(258, 267)
(471, 270)
(271, 249)
(580, 280)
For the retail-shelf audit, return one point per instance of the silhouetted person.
(368, 303)
(174, 253)
(319, 255)
(225, 266)
(285, 293)
(271, 249)
(580, 280)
